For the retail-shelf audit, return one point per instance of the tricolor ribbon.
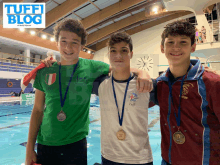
(30, 77)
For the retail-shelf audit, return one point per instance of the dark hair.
(179, 28)
(71, 25)
(120, 37)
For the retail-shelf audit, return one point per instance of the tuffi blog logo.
(26, 15)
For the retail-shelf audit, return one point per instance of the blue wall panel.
(4, 89)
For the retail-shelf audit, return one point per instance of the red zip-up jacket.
(200, 117)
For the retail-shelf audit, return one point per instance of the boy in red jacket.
(188, 96)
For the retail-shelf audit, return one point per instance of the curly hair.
(179, 28)
(71, 25)
(120, 37)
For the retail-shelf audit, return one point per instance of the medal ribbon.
(126, 89)
(63, 100)
(170, 95)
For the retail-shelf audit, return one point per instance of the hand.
(31, 157)
(48, 61)
(144, 82)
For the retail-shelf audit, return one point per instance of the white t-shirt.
(135, 149)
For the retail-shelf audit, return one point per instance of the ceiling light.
(44, 36)
(33, 32)
(21, 29)
(89, 51)
(52, 39)
(155, 9)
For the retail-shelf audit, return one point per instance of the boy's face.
(177, 49)
(120, 55)
(69, 45)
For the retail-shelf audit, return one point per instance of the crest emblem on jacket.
(185, 91)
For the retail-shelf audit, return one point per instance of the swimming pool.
(14, 125)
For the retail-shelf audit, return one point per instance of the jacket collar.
(193, 73)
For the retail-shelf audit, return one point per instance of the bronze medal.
(121, 134)
(61, 116)
(178, 137)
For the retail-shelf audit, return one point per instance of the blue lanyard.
(126, 89)
(63, 100)
(181, 89)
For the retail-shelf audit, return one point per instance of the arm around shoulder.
(153, 94)
(100, 68)
(97, 83)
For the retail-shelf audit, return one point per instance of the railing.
(212, 33)
(18, 59)
(14, 68)
(17, 64)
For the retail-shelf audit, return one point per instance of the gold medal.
(121, 134)
(61, 116)
(178, 137)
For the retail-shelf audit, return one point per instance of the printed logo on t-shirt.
(50, 78)
(133, 98)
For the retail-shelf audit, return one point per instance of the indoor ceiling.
(101, 18)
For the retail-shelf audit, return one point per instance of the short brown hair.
(71, 25)
(120, 37)
(179, 28)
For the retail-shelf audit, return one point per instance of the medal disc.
(61, 116)
(178, 137)
(121, 134)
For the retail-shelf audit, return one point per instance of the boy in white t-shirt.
(124, 111)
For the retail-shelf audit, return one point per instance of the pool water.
(14, 125)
